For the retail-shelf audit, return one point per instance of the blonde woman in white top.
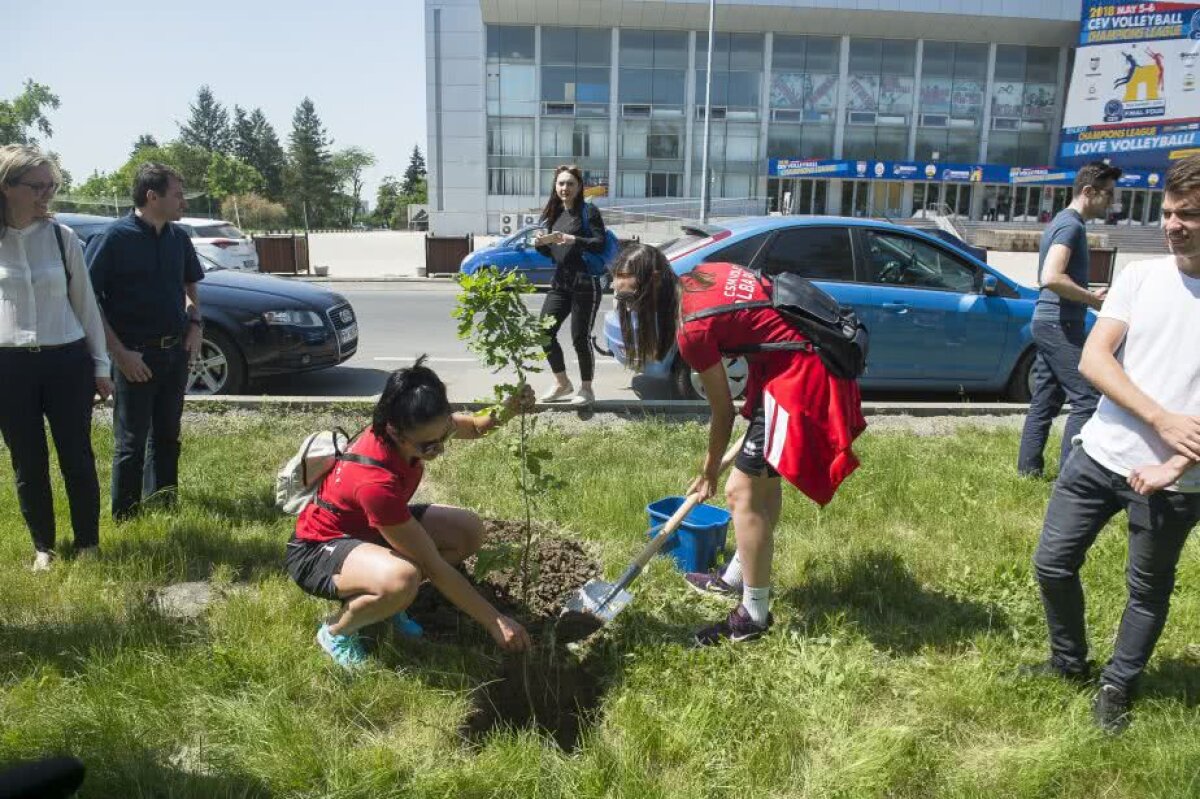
(53, 359)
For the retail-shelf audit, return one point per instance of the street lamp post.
(705, 198)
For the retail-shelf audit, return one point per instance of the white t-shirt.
(1161, 355)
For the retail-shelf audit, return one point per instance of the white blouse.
(37, 306)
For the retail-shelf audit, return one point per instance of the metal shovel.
(605, 600)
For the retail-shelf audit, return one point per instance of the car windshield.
(218, 232)
(208, 264)
(519, 236)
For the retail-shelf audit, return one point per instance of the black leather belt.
(42, 347)
(161, 343)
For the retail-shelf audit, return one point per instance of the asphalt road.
(399, 321)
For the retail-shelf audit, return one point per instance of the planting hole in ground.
(548, 688)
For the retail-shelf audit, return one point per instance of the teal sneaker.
(346, 650)
(406, 627)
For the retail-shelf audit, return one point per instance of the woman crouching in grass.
(362, 543)
(802, 418)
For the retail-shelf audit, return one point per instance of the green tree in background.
(386, 200)
(348, 166)
(142, 142)
(310, 180)
(242, 143)
(415, 172)
(227, 175)
(208, 126)
(268, 158)
(26, 113)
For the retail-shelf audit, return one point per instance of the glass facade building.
(627, 104)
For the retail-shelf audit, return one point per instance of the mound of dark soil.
(548, 688)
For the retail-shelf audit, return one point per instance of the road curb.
(620, 407)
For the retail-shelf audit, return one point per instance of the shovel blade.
(591, 599)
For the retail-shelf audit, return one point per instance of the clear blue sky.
(121, 70)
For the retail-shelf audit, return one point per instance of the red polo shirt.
(367, 497)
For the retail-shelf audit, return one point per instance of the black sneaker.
(710, 584)
(737, 627)
(1048, 668)
(1111, 709)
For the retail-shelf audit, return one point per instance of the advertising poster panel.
(1134, 96)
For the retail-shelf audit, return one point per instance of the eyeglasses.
(40, 188)
(626, 297)
(429, 447)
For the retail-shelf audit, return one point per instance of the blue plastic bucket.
(694, 546)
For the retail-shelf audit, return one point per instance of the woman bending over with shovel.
(362, 543)
(802, 419)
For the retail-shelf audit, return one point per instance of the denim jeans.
(1085, 497)
(146, 422)
(58, 385)
(1056, 378)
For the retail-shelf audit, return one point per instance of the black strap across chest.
(361, 460)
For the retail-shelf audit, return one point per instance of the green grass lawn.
(901, 611)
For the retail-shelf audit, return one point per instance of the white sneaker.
(42, 561)
(557, 393)
(584, 396)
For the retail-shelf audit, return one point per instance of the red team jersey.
(812, 417)
(367, 497)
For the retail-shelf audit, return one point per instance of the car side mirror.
(989, 286)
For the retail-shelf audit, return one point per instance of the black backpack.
(833, 331)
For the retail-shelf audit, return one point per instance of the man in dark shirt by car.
(1059, 318)
(144, 270)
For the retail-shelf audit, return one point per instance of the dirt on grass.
(548, 688)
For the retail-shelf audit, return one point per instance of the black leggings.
(581, 304)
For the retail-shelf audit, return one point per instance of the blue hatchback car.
(516, 252)
(939, 318)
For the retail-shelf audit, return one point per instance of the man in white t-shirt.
(1136, 454)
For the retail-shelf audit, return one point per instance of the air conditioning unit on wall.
(528, 219)
(508, 223)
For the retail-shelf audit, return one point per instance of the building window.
(879, 102)
(1024, 99)
(953, 80)
(510, 181)
(663, 184)
(803, 96)
(653, 70)
(575, 71)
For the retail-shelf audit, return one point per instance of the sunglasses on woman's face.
(430, 447)
(625, 297)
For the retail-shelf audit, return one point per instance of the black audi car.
(256, 325)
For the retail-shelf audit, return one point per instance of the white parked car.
(221, 242)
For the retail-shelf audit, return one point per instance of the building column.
(988, 88)
(537, 120)
(839, 123)
(911, 152)
(1060, 107)
(764, 111)
(690, 104)
(614, 77)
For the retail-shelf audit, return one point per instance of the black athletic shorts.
(314, 564)
(752, 460)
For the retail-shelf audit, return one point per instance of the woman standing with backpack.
(574, 227)
(53, 357)
(803, 419)
(362, 543)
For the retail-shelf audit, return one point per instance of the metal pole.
(704, 190)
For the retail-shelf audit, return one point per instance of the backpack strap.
(717, 310)
(62, 249)
(352, 457)
(583, 217)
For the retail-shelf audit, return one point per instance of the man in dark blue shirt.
(1059, 318)
(144, 270)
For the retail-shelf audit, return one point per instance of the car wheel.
(1020, 384)
(687, 383)
(219, 369)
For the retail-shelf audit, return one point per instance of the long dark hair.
(650, 317)
(554, 206)
(412, 397)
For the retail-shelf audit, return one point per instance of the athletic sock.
(733, 572)
(757, 602)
